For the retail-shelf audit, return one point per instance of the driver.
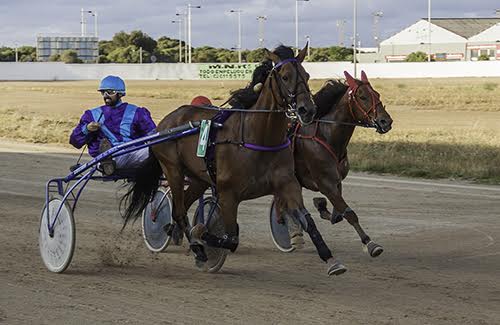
(112, 124)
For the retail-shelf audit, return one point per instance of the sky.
(213, 24)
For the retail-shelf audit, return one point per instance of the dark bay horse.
(320, 149)
(242, 167)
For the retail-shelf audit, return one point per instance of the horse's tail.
(142, 189)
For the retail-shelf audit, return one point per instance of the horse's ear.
(302, 54)
(364, 78)
(350, 80)
(271, 56)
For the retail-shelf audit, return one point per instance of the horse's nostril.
(382, 122)
(301, 110)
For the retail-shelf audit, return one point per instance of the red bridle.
(353, 100)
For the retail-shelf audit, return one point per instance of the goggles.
(109, 92)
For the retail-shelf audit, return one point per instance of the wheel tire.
(279, 232)
(216, 256)
(57, 251)
(154, 232)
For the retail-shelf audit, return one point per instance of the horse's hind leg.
(342, 211)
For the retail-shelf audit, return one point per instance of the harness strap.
(315, 138)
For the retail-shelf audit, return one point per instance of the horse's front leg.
(292, 206)
(228, 209)
(342, 211)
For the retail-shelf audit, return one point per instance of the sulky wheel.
(215, 226)
(279, 231)
(157, 221)
(57, 248)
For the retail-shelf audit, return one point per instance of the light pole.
(180, 36)
(376, 19)
(82, 21)
(184, 22)
(16, 51)
(429, 16)
(261, 20)
(189, 29)
(354, 38)
(94, 14)
(238, 11)
(297, 25)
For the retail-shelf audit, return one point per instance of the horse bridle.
(289, 98)
(366, 114)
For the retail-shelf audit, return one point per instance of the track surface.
(440, 266)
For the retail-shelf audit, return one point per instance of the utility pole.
(355, 38)
(82, 22)
(140, 55)
(179, 21)
(261, 20)
(184, 22)
(238, 11)
(376, 19)
(429, 16)
(340, 28)
(189, 30)
(94, 14)
(297, 25)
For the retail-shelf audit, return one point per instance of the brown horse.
(320, 149)
(239, 170)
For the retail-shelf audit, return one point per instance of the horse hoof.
(196, 232)
(320, 203)
(335, 268)
(373, 249)
(202, 266)
(297, 241)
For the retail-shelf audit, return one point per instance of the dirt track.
(440, 266)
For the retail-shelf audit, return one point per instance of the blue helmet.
(112, 83)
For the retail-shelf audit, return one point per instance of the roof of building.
(465, 27)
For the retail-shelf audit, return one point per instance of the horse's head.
(288, 84)
(365, 105)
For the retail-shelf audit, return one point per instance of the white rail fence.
(177, 71)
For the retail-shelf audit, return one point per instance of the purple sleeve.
(80, 134)
(145, 123)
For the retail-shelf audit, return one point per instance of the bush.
(483, 57)
(70, 56)
(418, 56)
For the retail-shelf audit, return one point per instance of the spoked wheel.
(215, 226)
(57, 248)
(157, 221)
(279, 231)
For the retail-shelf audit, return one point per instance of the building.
(451, 39)
(86, 47)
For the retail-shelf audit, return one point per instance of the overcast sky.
(213, 25)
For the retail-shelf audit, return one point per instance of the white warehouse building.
(451, 39)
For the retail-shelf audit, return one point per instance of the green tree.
(26, 54)
(167, 50)
(7, 54)
(257, 55)
(70, 56)
(205, 54)
(418, 56)
(121, 39)
(129, 54)
(140, 39)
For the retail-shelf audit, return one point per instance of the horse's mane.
(247, 97)
(329, 94)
